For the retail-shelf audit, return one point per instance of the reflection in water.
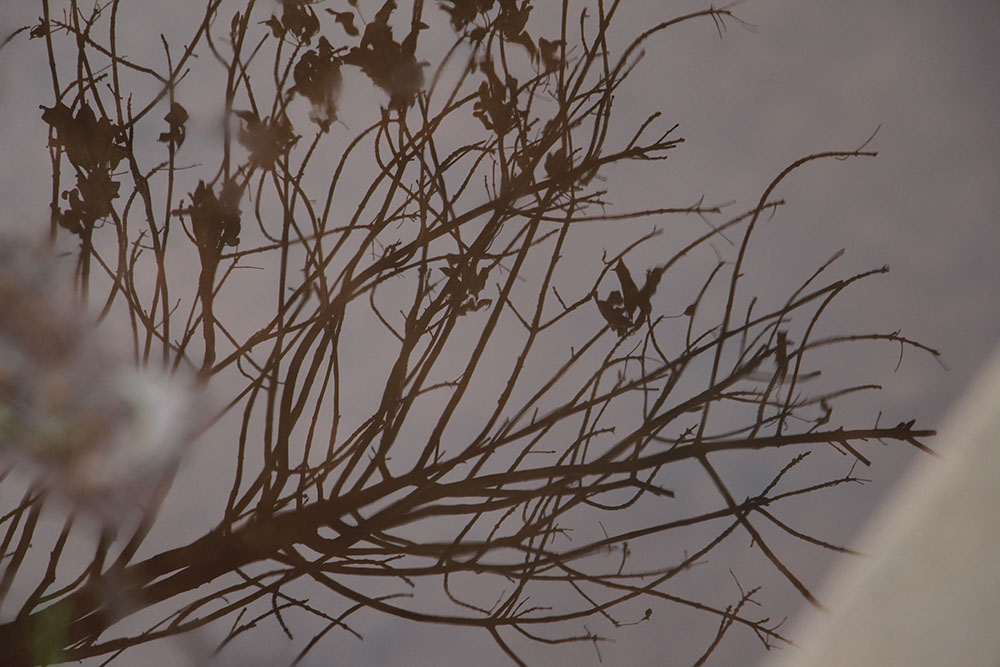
(439, 418)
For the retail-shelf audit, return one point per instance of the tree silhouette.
(448, 411)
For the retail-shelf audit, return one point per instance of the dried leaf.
(630, 293)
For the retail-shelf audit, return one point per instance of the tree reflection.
(451, 411)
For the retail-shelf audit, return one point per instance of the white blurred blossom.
(82, 419)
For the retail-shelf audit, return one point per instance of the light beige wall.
(929, 592)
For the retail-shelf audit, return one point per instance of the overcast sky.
(812, 76)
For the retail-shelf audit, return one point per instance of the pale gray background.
(814, 76)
